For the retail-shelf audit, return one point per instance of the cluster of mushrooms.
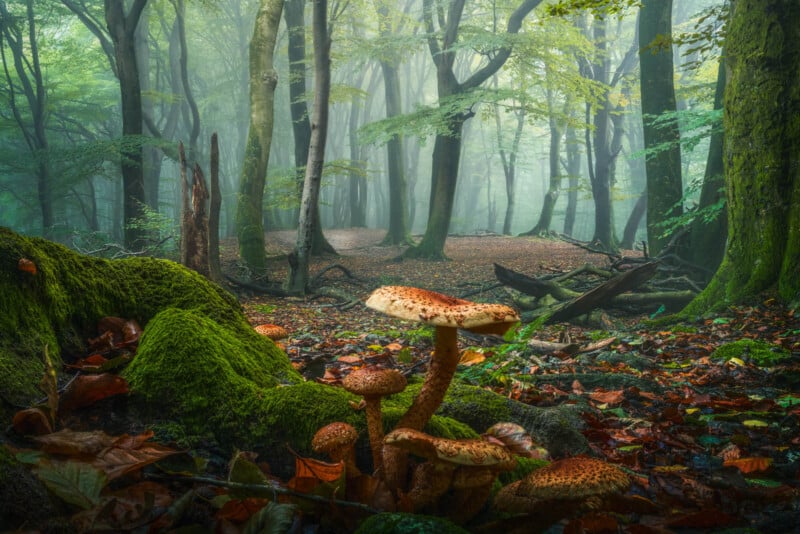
(456, 476)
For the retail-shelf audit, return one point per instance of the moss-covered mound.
(60, 304)
(400, 523)
(759, 352)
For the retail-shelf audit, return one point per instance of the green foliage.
(562, 8)
(407, 523)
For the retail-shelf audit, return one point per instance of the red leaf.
(749, 465)
(88, 389)
(31, 422)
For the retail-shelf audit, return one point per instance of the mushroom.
(563, 487)
(516, 439)
(272, 331)
(468, 467)
(338, 441)
(447, 315)
(373, 383)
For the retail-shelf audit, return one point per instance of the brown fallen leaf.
(72, 443)
(85, 390)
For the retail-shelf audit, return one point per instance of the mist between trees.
(526, 115)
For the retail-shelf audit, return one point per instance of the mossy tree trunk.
(761, 156)
(263, 79)
(664, 185)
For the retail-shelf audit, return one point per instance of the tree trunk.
(298, 274)
(542, 227)
(357, 183)
(398, 231)
(708, 237)
(762, 144)
(122, 28)
(29, 73)
(573, 172)
(301, 126)
(263, 79)
(635, 218)
(447, 147)
(664, 185)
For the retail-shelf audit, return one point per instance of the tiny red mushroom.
(373, 384)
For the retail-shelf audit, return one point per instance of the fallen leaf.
(31, 422)
(749, 465)
(85, 390)
(71, 443)
(471, 357)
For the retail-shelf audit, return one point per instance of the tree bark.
(573, 172)
(762, 147)
(263, 79)
(663, 165)
(708, 238)
(122, 28)
(298, 273)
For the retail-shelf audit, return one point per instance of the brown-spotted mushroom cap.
(373, 383)
(415, 304)
(272, 331)
(338, 441)
(466, 452)
(575, 478)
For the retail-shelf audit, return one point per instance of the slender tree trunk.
(542, 227)
(708, 238)
(635, 218)
(122, 29)
(298, 273)
(762, 148)
(573, 170)
(263, 79)
(664, 185)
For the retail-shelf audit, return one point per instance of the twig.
(275, 488)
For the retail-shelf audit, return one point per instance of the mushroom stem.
(440, 372)
(375, 429)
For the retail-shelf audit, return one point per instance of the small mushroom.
(564, 486)
(338, 441)
(373, 384)
(468, 467)
(447, 315)
(516, 439)
(272, 331)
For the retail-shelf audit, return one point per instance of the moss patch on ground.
(760, 353)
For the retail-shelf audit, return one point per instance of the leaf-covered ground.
(704, 416)
(712, 439)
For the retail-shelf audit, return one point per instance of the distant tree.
(661, 138)
(24, 57)
(443, 46)
(301, 126)
(762, 143)
(263, 79)
(299, 258)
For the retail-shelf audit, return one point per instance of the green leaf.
(788, 400)
(272, 519)
(74, 482)
(404, 355)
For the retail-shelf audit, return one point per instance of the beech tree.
(761, 117)
(263, 79)
(663, 162)
(443, 46)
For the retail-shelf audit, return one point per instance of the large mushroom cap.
(416, 304)
(574, 478)
(334, 437)
(469, 452)
(371, 381)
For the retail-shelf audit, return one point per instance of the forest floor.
(710, 438)
(713, 443)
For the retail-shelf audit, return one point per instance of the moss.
(760, 353)
(400, 523)
(60, 305)
(24, 500)
(524, 466)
